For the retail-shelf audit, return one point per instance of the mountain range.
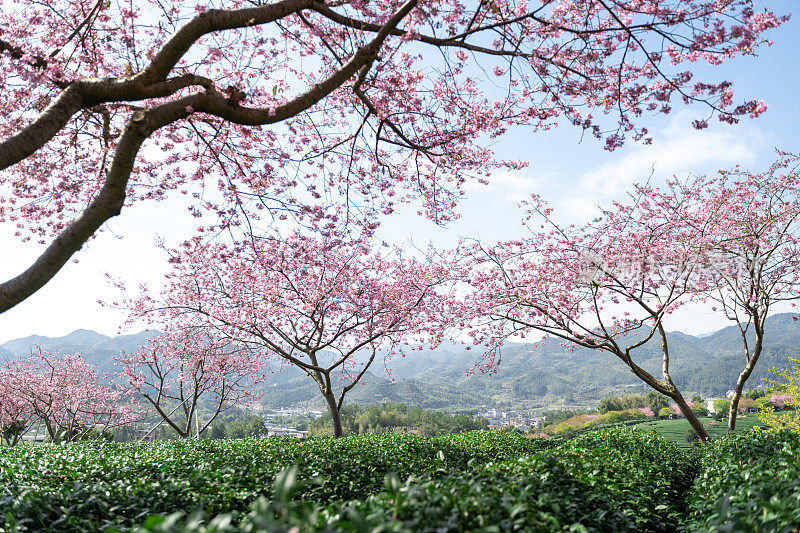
(529, 377)
(96, 348)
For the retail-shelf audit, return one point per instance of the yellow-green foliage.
(580, 422)
(613, 417)
(571, 425)
(762, 403)
(723, 405)
(789, 385)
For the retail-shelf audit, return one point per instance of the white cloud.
(517, 197)
(513, 184)
(580, 207)
(678, 150)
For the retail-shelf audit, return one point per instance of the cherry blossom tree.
(63, 393)
(608, 286)
(749, 224)
(322, 304)
(179, 373)
(286, 107)
(16, 415)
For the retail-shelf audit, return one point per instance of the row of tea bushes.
(749, 482)
(606, 481)
(610, 480)
(92, 485)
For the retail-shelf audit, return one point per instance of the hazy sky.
(573, 175)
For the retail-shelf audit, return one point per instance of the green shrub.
(722, 406)
(91, 485)
(604, 481)
(749, 483)
(763, 403)
(608, 480)
(611, 417)
(562, 430)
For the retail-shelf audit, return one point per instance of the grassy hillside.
(676, 430)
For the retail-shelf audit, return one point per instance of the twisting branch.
(111, 198)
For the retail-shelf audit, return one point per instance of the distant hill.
(528, 377)
(96, 348)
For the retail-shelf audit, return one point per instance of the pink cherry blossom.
(325, 305)
(61, 392)
(607, 285)
(174, 373)
(747, 227)
(316, 111)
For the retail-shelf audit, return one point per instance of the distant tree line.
(652, 399)
(395, 417)
(356, 420)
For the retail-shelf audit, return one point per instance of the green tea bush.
(92, 485)
(607, 481)
(612, 480)
(749, 482)
(492, 446)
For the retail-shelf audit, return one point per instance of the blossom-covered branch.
(331, 113)
(324, 305)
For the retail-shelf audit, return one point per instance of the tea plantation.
(610, 480)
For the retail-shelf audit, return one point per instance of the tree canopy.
(329, 112)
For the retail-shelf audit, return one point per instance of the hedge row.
(749, 482)
(607, 481)
(93, 485)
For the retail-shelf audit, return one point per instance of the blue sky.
(573, 175)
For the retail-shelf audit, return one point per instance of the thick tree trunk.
(737, 395)
(748, 369)
(12, 433)
(665, 387)
(334, 409)
(52, 431)
(691, 417)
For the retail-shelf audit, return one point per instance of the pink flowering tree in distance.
(16, 415)
(283, 107)
(63, 393)
(324, 305)
(749, 225)
(607, 285)
(180, 372)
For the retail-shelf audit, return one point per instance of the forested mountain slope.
(528, 376)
